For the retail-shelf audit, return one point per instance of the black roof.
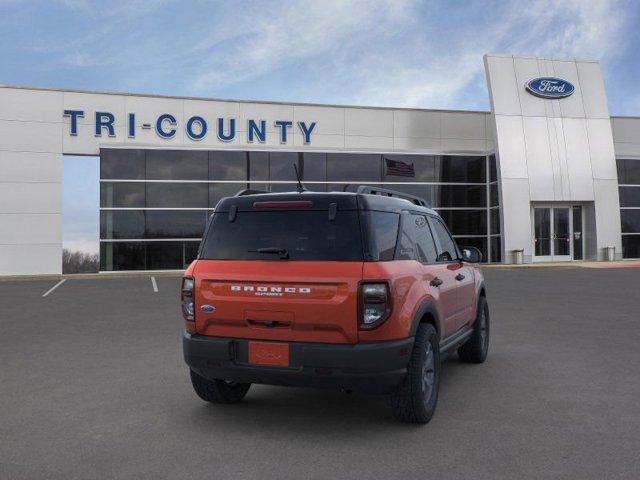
(321, 201)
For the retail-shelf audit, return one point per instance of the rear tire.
(218, 391)
(414, 401)
(475, 350)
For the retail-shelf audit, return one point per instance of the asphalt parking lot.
(92, 385)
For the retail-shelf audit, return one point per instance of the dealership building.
(546, 175)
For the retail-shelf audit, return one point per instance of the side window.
(383, 232)
(416, 242)
(447, 251)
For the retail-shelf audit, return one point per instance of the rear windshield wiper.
(283, 252)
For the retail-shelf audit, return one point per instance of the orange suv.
(362, 291)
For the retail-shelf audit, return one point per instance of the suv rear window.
(303, 234)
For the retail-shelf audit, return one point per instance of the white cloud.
(382, 56)
(386, 52)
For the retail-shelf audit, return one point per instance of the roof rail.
(249, 191)
(366, 189)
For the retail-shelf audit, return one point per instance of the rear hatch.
(280, 271)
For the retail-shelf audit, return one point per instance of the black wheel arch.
(426, 313)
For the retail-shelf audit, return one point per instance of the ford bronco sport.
(361, 291)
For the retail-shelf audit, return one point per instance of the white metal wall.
(34, 134)
(626, 136)
(552, 150)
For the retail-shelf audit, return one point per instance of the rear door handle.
(436, 282)
(459, 277)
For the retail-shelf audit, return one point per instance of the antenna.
(300, 187)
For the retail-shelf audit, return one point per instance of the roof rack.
(366, 189)
(249, 191)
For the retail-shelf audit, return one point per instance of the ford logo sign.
(208, 308)
(549, 87)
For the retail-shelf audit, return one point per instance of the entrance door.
(561, 251)
(557, 233)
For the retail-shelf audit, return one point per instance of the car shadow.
(281, 410)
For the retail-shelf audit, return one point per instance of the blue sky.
(392, 53)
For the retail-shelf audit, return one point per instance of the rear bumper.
(367, 367)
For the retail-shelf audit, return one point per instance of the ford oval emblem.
(549, 87)
(208, 308)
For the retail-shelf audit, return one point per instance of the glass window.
(315, 167)
(165, 255)
(221, 190)
(281, 166)
(347, 167)
(628, 171)
(177, 195)
(175, 223)
(190, 252)
(631, 246)
(416, 241)
(460, 195)
(382, 232)
(304, 235)
(122, 195)
(122, 256)
(121, 224)
(228, 165)
(494, 199)
(479, 242)
(177, 165)
(496, 249)
(447, 247)
(495, 220)
(461, 169)
(258, 166)
(122, 163)
(493, 169)
(629, 196)
(630, 221)
(465, 222)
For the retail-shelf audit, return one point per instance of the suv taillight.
(186, 298)
(375, 304)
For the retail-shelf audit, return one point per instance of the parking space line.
(154, 284)
(54, 287)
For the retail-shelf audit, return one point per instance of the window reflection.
(465, 222)
(354, 166)
(177, 195)
(228, 165)
(259, 170)
(281, 166)
(122, 195)
(315, 166)
(177, 165)
(175, 223)
(122, 224)
(125, 164)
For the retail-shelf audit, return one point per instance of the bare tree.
(80, 262)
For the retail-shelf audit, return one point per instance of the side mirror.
(471, 255)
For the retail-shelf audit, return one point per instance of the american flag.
(399, 169)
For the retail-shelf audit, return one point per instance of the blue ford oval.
(208, 308)
(549, 87)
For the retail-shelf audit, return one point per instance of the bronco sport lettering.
(363, 291)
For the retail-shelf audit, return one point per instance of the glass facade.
(154, 204)
(629, 190)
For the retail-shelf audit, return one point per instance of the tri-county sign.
(196, 127)
(549, 87)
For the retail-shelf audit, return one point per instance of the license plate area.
(269, 354)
